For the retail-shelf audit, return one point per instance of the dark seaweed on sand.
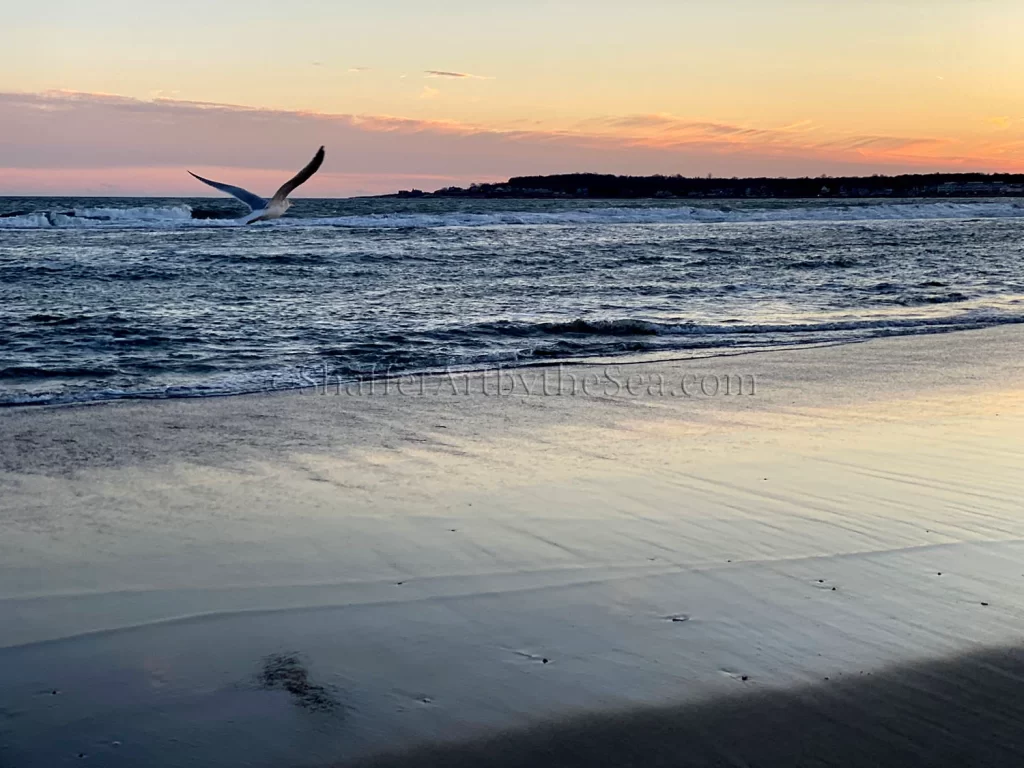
(287, 672)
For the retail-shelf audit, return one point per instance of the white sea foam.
(141, 216)
(27, 221)
(680, 215)
(145, 213)
(181, 215)
(643, 327)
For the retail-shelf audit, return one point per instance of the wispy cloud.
(670, 128)
(801, 137)
(799, 125)
(429, 93)
(355, 70)
(455, 75)
(881, 143)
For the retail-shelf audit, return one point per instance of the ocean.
(115, 298)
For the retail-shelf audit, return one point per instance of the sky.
(116, 97)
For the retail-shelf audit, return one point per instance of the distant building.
(972, 188)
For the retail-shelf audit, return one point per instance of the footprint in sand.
(735, 675)
(533, 657)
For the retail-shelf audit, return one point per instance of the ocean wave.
(954, 297)
(548, 341)
(893, 294)
(836, 263)
(185, 216)
(38, 372)
(136, 216)
(647, 327)
(675, 215)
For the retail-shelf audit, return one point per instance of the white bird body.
(278, 205)
(274, 210)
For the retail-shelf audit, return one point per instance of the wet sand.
(831, 566)
(937, 713)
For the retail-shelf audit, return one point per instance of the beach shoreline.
(319, 579)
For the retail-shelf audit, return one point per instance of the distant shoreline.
(593, 186)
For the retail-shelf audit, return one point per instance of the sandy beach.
(823, 569)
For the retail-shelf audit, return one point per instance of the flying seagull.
(263, 210)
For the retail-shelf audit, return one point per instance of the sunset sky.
(117, 97)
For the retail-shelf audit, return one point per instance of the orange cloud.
(805, 139)
(88, 140)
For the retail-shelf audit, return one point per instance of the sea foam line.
(183, 216)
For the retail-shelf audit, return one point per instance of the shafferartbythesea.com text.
(553, 381)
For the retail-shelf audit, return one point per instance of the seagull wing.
(255, 202)
(301, 177)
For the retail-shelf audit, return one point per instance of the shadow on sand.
(963, 712)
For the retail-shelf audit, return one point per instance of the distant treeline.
(595, 185)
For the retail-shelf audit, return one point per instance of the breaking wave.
(187, 216)
(829, 331)
(578, 339)
(141, 216)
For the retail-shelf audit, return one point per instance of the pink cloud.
(82, 143)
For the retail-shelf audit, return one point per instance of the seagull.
(263, 210)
